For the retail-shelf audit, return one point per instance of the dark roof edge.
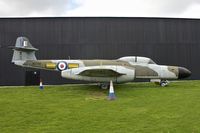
(99, 17)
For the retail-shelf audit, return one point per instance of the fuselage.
(74, 69)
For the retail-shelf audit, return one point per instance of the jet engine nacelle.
(118, 74)
(129, 74)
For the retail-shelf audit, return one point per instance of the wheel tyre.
(104, 86)
(163, 84)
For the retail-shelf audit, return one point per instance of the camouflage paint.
(124, 69)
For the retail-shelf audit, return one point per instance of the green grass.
(139, 107)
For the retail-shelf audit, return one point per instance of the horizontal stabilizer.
(24, 49)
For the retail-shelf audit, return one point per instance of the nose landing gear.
(160, 82)
(164, 83)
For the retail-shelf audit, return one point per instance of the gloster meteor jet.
(122, 70)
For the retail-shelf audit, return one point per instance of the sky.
(103, 8)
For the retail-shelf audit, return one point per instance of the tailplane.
(23, 50)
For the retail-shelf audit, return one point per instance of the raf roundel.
(62, 66)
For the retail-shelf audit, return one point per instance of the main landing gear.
(104, 86)
(111, 95)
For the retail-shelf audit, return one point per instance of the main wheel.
(104, 86)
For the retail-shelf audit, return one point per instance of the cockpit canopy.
(137, 59)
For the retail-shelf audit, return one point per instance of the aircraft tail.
(23, 50)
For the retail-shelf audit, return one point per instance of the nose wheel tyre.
(164, 83)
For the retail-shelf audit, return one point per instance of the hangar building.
(171, 41)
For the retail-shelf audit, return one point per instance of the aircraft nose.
(183, 73)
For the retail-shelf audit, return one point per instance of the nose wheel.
(164, 83)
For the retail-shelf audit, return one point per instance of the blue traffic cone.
(111, 95)
(41, 85)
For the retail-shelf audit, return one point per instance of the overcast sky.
(118, 8)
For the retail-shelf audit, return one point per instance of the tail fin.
(23, 50)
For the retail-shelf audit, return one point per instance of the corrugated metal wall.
(166, 41)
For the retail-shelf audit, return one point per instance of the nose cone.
(183, 73)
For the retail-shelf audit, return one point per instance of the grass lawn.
(139, 107)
